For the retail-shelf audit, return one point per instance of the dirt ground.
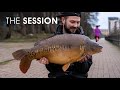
(11, 69)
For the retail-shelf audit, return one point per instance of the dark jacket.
(77, 69)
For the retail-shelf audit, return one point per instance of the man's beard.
(68, 30)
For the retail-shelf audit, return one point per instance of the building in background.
(114, 24)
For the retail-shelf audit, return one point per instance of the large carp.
(61, 49)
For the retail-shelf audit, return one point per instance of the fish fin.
(19, 54)
(25, 61)
(25, 64)
(80, 59)
(65, 67)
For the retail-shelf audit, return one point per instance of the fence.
(115, 38)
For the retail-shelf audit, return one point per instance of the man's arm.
(82, 66)
(51, 67)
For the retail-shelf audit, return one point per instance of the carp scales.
(61, 49)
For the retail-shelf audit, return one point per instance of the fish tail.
(25, 64)
(25, 60)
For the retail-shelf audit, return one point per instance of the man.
(70, 25)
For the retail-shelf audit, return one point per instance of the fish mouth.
(100, 48)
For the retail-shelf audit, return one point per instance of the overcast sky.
(103, 18)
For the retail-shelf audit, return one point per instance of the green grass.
(27, 38)
(5, 62)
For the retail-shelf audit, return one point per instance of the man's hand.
(85, 58)
(43, 60)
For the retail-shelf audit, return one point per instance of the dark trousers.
(67, 75)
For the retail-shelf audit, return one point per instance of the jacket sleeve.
(53, 68)
(83, 67)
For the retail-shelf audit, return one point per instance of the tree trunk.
(23, 27)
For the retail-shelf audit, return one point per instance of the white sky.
(103, 18)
